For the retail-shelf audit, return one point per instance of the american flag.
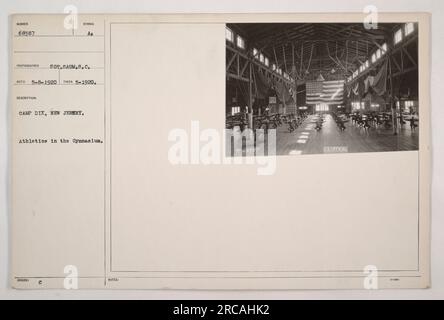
(325, 92)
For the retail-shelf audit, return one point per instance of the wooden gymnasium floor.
(306, 140)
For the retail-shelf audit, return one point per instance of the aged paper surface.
(97, 198)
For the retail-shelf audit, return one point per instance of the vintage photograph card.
(220, 151)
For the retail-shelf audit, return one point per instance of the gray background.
(436, 7)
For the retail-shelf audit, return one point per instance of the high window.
(229, 35)
(398, 36)
(384, 48)
(409, 28)
(255, 53)
(240, 42)
(378, 54)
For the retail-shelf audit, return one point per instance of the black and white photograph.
(324, 87)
